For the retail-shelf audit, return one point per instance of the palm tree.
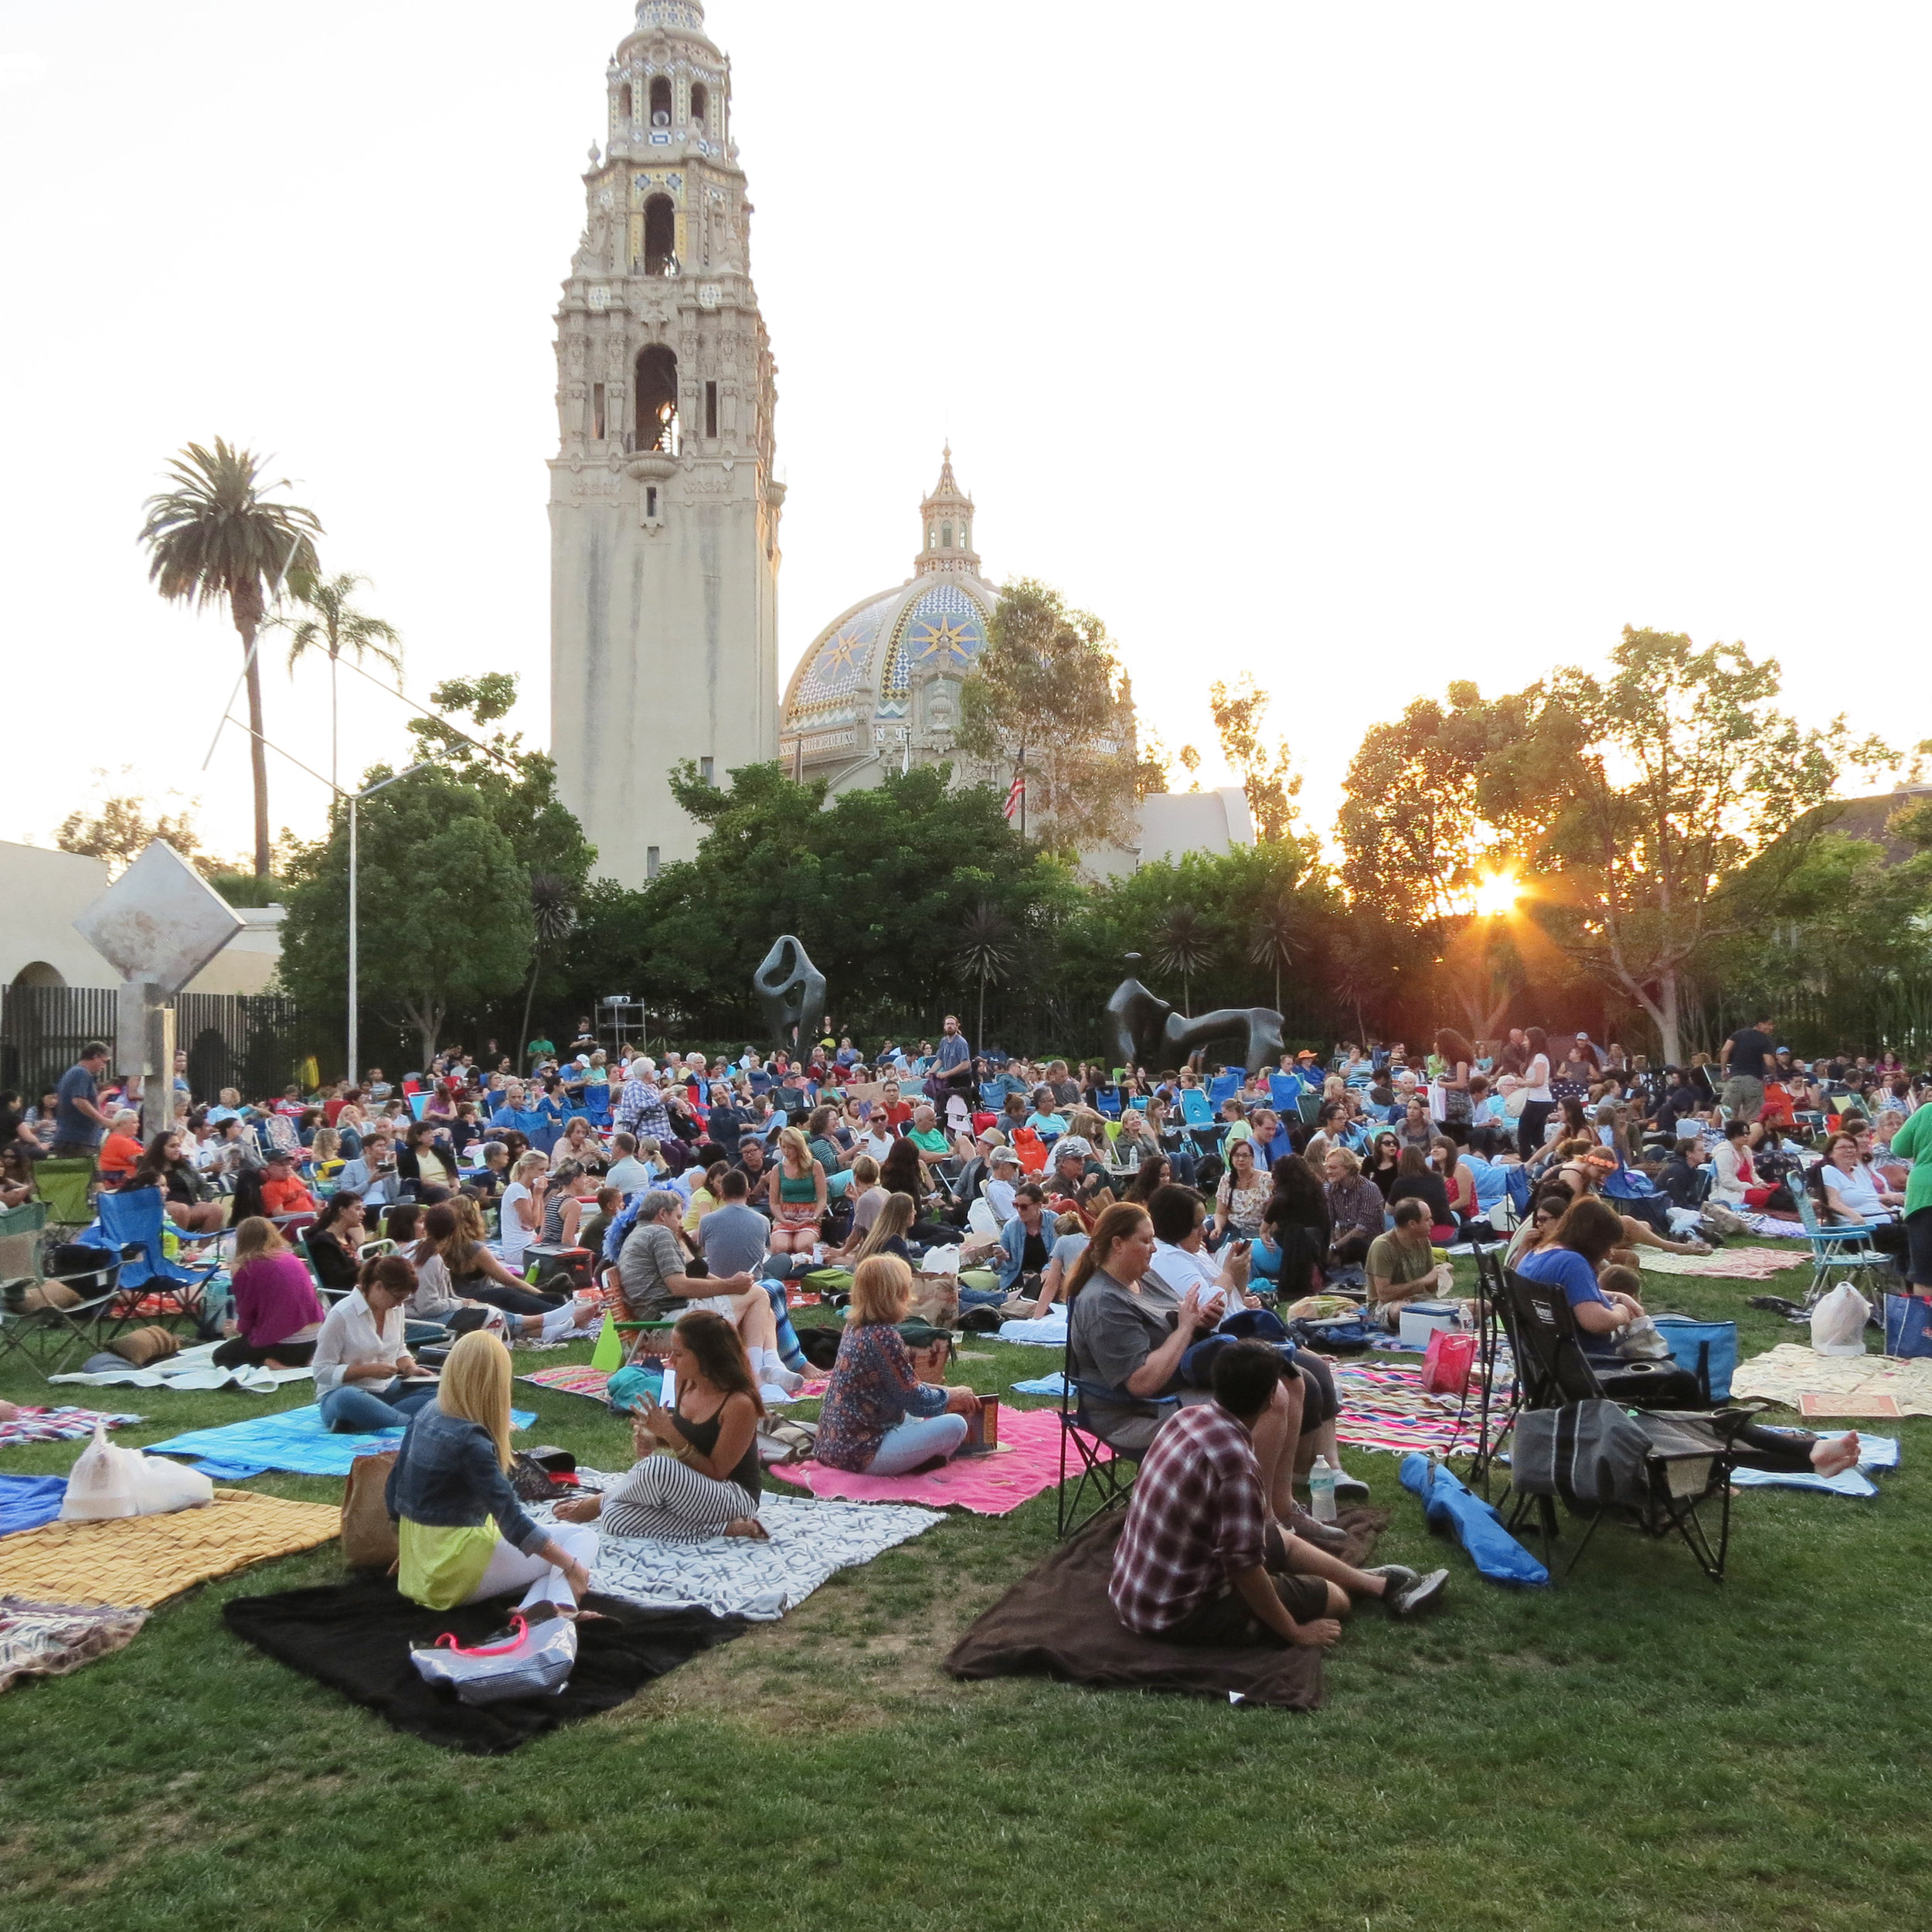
(986, 951)
(553, 916)
(335, 625)
(1276, 942)
(1184, 945)
(213, 538)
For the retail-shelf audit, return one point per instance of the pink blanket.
(1028, 1462)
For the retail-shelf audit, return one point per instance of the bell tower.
(664, 509)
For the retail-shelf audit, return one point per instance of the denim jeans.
(359, 1409)
(918, 1439)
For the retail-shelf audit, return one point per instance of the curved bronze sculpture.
(792, 992)
(1148, 1032)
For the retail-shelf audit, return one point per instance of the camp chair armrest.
(1120, 1398)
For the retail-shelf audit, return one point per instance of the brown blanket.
(1057, 1620)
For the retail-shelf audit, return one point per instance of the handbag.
(529, 1660)
(1908, 1325)
(368, 1536)
(1516, 1102)
(1447, 1363)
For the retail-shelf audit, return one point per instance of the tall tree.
(1047, 699)
(1185, 942)
(552, 916)
(1271, 782)
(123, 827)
(332, 626)
(985, 954)
(444, 918)
(1669, 802)
(214, 537)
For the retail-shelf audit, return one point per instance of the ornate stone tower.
(664, 509)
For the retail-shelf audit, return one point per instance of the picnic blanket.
(193, 1368)
(1026, 1462)
(734, 1576)
(1052, 1385)
(1057, 1621)
(49, 1640)
(59, 1425)
(1384, 1405)
(28, 1501)
(355, 1637)
(579, 1379)
(1727, 1264)
(137, 1562)
(1049, 1332)
(1786, 1374)
(292, 1440)
(1874, 1452)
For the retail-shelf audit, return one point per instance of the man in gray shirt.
(732, 1237)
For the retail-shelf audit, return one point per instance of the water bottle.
(1322, 1481)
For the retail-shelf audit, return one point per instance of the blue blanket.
(28, 1501)
(292, 1440)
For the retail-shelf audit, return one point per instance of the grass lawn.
(1638, 1749)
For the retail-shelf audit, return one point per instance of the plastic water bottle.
(1322, 1481)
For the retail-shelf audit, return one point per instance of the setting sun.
(1497, 895)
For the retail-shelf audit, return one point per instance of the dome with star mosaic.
(880, 685)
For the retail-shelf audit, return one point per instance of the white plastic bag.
(937, 1261)
(107, 1481)
(1838, 1322)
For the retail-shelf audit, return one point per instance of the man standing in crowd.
(955, 1055)
(1746, 1054)
(78, 1120)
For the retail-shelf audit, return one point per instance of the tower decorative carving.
(664, 507)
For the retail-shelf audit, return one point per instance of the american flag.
(1017, 797)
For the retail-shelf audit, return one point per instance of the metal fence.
(255, 1043)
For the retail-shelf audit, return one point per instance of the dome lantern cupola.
(946, 525)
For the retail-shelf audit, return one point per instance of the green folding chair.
(51, 1320)
(66, 1186)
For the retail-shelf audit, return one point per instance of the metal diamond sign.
(160, 922)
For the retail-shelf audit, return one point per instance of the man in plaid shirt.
(1200, 1561)
(640, 1108)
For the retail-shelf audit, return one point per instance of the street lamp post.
(355, 799)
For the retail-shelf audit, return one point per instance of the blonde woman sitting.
(461, 1533)
(796, 1192)
(697, 1473)
(880, 1419)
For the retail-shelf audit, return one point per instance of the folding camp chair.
(133, 1221)
(1675, 1456)
(1224, 1087)
(65, 1186)
(51, 1320)
(1283, 1090)
(1108, 1099)
(1108, 1475)
(1842, 1250)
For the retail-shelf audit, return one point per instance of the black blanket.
(1057, 1620)
(355, 1637)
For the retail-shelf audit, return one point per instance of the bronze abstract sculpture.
(1148, 1032)
(792, 992)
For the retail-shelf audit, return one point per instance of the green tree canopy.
(1047, 698)
(1269, 779)
(444, 903)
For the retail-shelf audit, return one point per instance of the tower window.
(946, 533)
(700, 103)
(932, 538)
(658, 400)
(660, 236)
(651, 499)
(711, 409)
(596, 412)
(704, 770)
(965, 536)
(627, 104)
(651, 861)
(661, 102)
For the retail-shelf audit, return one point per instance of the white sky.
(1364, 349)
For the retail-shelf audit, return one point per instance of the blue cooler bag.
(1707, 1349)
(1908, 1325)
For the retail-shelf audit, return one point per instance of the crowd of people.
(394, 1237)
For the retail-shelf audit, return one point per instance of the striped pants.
(660, 1497)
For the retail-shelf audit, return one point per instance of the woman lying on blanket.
(278, 1315)
(880, 1419)
(697, 1473)
(1583, 1175)
(461, 1534)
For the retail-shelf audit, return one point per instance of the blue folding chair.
(1194, 1109)
(1224, 1087)
(1843, 1249)
(133, 1222)
(1108, 1100)
(1283, 1089)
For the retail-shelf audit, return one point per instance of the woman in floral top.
(880, 1419)
(1243, 1194)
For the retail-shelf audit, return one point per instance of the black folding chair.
(1671, 1457)
(1110, 1475)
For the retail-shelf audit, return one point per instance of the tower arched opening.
(627, 104)
(700, 104)
(661, 101)
(660, 236)
(657, 391)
